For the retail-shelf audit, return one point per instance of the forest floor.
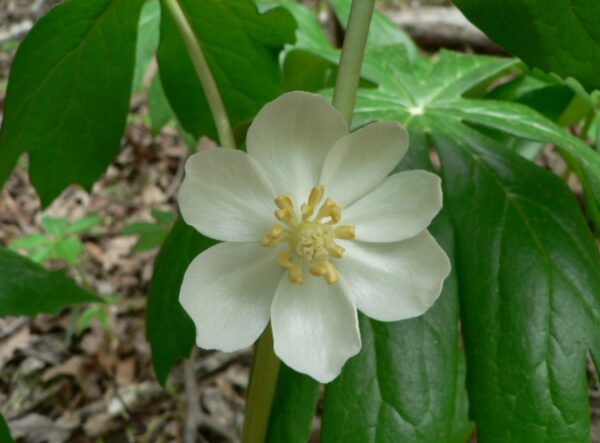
(62, 382)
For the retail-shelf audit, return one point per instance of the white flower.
(313, 228)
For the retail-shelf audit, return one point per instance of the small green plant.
(97, 311)
(150, 235)
(59, 240)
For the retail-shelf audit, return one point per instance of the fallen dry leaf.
(20, 340)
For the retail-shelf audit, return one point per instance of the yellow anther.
(331, 275)
(318, 270)
(295, 273)
(284, 202)
(313, 200)
(272, 238)
(269, 241)
(336, 250)
(345, 232)
(276, 231)
(285, 259)
(283, 215)
(329, 209)
(336, 214)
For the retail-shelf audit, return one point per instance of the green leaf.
(39, 255)
(31, 241)
(28, 289)
(241, 47)
(529, 273)
(158, 105)
(293, 407)
(69, 112)
(55, 226)
(431, 93)
(461, 428)
(150, 235)
(147, 40)
(559, 36)
(84, 224)
(5, 436)
(69, 250)
(402, 386)
(382, 31)
(169, 330)
(165, 218)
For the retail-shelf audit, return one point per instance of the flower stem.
(215, 102)
(353, 53)
(261, 390)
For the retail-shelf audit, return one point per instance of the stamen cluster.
(311, 240)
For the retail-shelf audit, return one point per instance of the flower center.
(310, 237)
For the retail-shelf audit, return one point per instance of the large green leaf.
(28, 289)
(402, 386)
(169, 329)
(241, 47)
(560, 36)
(5, 436)
(529, 273)
(68, 93)
(434, 91)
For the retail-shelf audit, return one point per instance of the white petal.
(226, 196)
(394, 281)
(401, 207)
(227, 291)
(360, 161)
(315, 327)
(290, 137)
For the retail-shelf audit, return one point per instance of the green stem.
(353, 53)
(215, 102)
(261, 390)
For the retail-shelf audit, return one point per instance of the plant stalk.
(353, 52)
(261, 390)
(213, 96)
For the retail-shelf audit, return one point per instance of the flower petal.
(401, 207)
(226, 196)
(394, 281)
(360, 161)
(315, 327)
(227, 291)
(290, 138)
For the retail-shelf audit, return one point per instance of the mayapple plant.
(374, 218)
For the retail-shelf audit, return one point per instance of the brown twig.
(193, 415)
